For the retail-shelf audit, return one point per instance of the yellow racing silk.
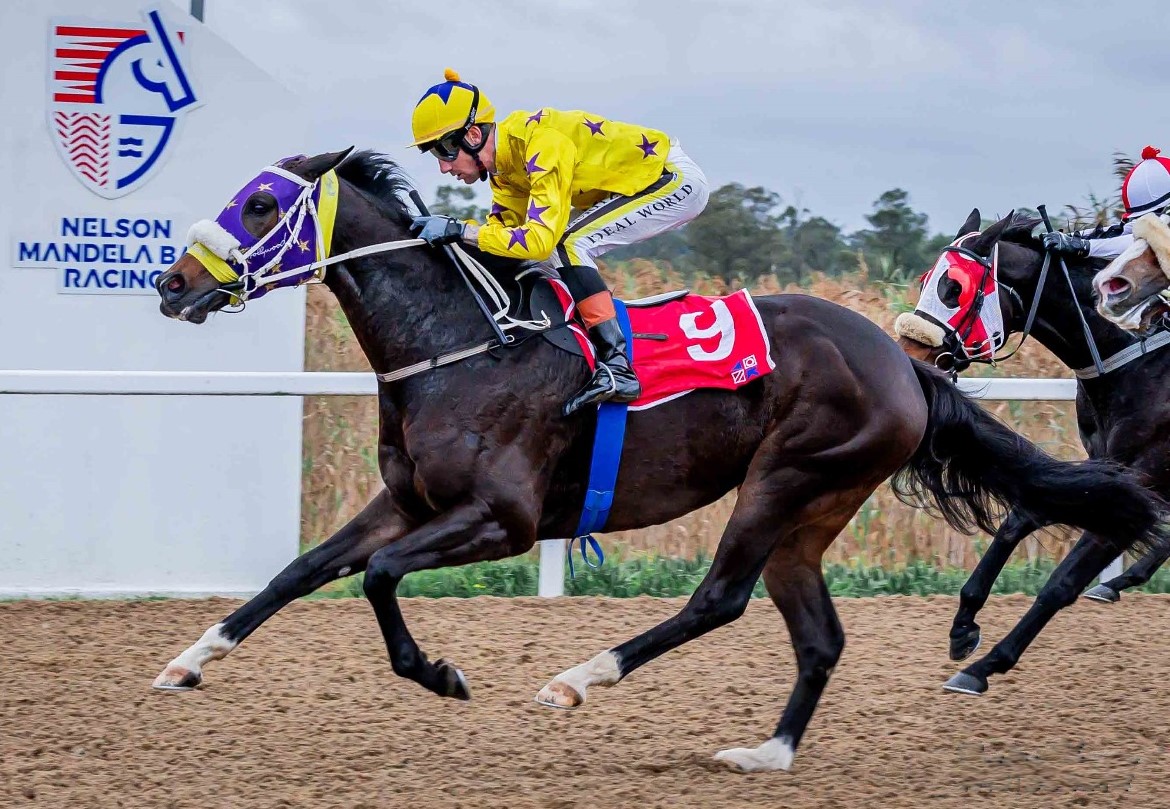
(549, 162)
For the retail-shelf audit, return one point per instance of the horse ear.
(986, 240)
(972, 223)
(313, 167)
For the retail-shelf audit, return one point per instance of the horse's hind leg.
(346, 552)
(794, 581)
(1136, 575)
(964, 631)
(719, 599)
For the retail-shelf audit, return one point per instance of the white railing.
(321, 383)
(243, 383)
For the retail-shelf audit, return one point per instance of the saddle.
(680, 341)
(539, 293)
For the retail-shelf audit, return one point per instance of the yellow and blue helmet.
(447, 110)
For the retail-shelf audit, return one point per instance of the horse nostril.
(1115, 286)
(173, 287)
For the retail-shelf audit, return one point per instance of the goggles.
(447, 147)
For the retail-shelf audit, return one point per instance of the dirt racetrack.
(307, 713)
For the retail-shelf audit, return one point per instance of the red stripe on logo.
(105, 33)
(80, 53)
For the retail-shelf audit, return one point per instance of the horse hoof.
(177, 678)
(1103, 593)
(454, 683)
(965, 645)
(964, 683)
(558, 694)
(772, 755)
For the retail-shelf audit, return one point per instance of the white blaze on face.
(1132, 318)
(1117, 265)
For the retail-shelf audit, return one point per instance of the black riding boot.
(614, 380)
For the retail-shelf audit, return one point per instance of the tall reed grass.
(340, 473)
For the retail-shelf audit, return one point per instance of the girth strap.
(1125, 356)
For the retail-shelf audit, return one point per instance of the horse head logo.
(116, 94)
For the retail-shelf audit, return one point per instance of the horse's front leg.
(470, 532)
(965, 634)
(346, 552)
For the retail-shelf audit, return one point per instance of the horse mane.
(1019, 230)
(382, 179)
(388, 185)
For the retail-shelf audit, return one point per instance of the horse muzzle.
(180, 300)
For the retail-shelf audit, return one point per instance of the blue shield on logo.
(117, 92)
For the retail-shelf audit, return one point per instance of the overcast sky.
(992, 104)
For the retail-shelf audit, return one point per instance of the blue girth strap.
(607, 455)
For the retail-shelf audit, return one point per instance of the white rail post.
(1113, 569)
(552, 568)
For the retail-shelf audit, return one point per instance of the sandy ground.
(307, 713)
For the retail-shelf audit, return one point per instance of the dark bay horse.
(1122, 415)
(479, 464)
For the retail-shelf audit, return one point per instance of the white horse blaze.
(604, 670)
(212, 646)
(774, 754)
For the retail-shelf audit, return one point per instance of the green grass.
(654, 576)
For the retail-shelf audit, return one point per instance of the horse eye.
(948, 291)
(258, 206)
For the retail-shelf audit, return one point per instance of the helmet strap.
(484, 130)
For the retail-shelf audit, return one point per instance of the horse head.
(1129, 289)
(269, 235)
(960, 314)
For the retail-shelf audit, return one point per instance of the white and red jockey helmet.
(1147, 186)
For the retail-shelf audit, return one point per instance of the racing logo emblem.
(117, 92)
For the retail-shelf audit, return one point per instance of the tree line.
(746, 232)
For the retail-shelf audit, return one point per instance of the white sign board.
(124, 123)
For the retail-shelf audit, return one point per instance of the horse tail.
(970, 466)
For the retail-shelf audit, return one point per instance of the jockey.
(1146, 189)
(566, 188)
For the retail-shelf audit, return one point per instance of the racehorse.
(1121, 415)
(479, 464)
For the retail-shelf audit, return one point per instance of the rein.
(236, 284)
(1072, 290)
(1035, 307)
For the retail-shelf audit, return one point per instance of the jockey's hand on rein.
(1059, 242)
(437, 230)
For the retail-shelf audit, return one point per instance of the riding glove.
(437, 230)
(1059, 242)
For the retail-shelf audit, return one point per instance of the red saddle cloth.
(691, 342)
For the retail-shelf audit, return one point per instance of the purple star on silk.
(531, 166)
(647, 147)
(519, 236)
(534, 212)
(594, 126)
(497, 211)
(535, 117)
